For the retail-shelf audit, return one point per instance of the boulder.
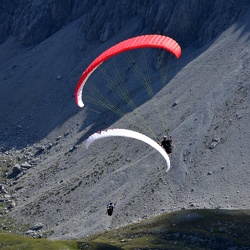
(37, 226)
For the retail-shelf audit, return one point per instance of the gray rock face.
(33, 21)
(186, 21)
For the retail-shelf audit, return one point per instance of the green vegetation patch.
(14, 242)
(180, 230)
(186, 229)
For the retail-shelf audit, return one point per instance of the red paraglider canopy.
(145, 41)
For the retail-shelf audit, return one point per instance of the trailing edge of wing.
(130, 134)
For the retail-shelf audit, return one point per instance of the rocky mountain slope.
(57, 182)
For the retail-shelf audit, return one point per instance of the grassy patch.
(13, 242)
(187, 229)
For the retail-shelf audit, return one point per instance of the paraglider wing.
(129, 134)
(145, 41)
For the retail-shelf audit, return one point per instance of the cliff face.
(187, 21)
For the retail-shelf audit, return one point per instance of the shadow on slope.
(34, 103)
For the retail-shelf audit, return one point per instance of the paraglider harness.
(167, 145)
(110, 208)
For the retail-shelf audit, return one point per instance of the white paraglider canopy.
(129, 134)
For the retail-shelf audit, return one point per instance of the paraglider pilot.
(110, 208)
(167, 144)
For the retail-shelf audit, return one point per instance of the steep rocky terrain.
(45, 47)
